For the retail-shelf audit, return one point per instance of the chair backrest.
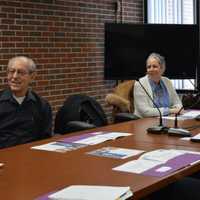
(122, 97)
(191, 101)
(125, 89)
(79, 107)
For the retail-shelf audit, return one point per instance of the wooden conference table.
(29, 173)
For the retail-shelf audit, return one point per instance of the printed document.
(58, 146)
(151, 159)
(115, 152)
(91, 192)
(187, 115)
(102, 138)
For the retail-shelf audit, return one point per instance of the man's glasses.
(19, 72)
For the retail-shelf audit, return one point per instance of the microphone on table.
(156, 129)
(176, 131)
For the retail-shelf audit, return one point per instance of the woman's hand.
(175, 110)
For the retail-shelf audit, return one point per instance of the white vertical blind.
(170, 11)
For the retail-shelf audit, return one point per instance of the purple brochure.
(172, 165)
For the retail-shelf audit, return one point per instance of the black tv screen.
(127, 47)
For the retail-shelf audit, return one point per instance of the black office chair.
(79, 112)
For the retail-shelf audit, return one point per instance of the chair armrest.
(78, 126)
(122, 117)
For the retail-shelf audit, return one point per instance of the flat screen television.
(127, 47)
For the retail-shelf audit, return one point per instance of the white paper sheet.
(86, 192)
(58, 146)
(151, 159)
(197, 136)
(137, 166)
(186, 115)
(191, 114)
(161, 155)
(102, 138)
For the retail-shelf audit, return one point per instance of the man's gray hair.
(30, 63)
(159, 58)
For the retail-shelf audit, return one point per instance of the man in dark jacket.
(24, 116)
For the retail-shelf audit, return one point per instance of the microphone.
(156, 129)
(178, 131)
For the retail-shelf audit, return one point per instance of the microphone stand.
(176, 131)
(156, 129)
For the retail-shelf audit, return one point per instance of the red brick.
(66, 39)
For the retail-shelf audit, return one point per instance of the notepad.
(91, 192)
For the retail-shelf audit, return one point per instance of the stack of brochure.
(91, 192)
(79, 141)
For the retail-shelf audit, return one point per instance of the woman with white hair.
(158, 87)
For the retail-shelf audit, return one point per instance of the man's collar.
(30, 96)
(7, 95)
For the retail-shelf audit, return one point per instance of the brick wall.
(66, 40)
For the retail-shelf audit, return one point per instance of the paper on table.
(88, 192)
(92, 140)
(187, 115)
(173, 165)
(137, 166)
(114, 135)
(102, 138)
(49, 147)
(185, 138)
(58, 146)
(80, 137)
(191, 114)
(173, 118)
(151, 159)
(162, 155)
(115, 152)
(197, 136)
